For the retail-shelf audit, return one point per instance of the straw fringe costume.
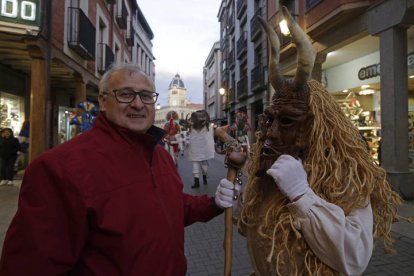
(331, 228)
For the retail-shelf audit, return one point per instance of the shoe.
(196, 183)
(3, 182)
(10, 182)
(205, 179)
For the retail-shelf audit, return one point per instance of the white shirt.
(201, 144)
(345, 243)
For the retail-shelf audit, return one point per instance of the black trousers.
(7, 167)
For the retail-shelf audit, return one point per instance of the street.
(204, 241)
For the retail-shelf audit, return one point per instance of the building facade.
(244, 65)
(213, 100)
(365, 52)
(52, 55)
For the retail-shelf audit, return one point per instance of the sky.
(184, 33)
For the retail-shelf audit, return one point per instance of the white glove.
(225, 192)
(290, 176)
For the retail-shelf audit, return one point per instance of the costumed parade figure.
(240, 127)
(315, 200)
(173, 129)
(86, 116)
(201, 147)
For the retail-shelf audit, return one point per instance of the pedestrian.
(201, 145)
(109, 201)
(24, 144)
(315, 200)
(9, 147)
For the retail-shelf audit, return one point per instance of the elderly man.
(110, 201)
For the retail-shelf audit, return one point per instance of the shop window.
(66, 130)
(11, 112)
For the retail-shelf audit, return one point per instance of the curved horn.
(306, 52)
(276, 79)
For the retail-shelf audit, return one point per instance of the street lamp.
(284, 27)
(222, 91)
(158, 107)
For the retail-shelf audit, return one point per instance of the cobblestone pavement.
(204, 241)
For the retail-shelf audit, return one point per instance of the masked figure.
(315, 199)
(201, 147)
(171, 138)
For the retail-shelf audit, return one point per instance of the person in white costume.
(201, 147)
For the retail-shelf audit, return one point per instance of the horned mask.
(285, 122)
(200, 119)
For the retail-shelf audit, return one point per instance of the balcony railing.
(231, 96)
(105, 57)
(225, 77)
(242, 44)
(81, 34)
(241, 7)
(257, 78)
(231, 22)
(242, 88)
(224, 43)
(231, 59)
(121, 14)
(255, 27)
(130, 34)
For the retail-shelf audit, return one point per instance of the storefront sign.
(369, 71)
(20, 12)
(374, 70)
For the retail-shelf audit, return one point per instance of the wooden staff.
(235, 158)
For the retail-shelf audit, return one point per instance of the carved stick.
(235, 160)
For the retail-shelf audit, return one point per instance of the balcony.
(224, 43)
(325, 17)
(241, 7)
(285, 40)
(242, 88)
(311, 3)
(130, 34)
(105, 57)
(121, 14)
(231, 22)
(257, 78)
(224, 77)
(231, 59)
(242, 44)
(255, 27)
(81, 34)
(231, 96)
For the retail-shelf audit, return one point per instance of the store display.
(364, 120)
(11, 112)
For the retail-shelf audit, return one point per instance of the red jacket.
(108, 202)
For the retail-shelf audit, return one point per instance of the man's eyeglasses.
(128, 95)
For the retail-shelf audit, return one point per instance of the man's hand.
(290, 176)
(225, 192)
